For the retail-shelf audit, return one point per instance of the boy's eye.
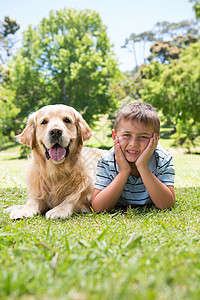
(126, 134)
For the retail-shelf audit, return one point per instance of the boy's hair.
(142, 112)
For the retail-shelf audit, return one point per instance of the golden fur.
(58, 183)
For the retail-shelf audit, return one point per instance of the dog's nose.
(55, 132)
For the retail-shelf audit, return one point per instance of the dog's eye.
(67, 120)
(44, 122)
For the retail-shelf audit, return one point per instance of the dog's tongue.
(57, 153)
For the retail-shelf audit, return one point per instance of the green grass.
(137, 254)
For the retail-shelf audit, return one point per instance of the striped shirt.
(135, 192)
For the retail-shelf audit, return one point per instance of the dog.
(61, 172)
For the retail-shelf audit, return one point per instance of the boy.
(137, 171)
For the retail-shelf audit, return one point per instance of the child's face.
(134, 137)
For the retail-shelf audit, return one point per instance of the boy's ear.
(114, 135)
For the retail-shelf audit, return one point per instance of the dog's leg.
(62, 211)
(29, 210)
(67, 208)
(9, 209)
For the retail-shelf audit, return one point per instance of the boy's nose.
(133, 141)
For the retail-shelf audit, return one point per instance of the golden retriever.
(61, 172)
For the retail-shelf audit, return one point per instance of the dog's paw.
(25, 212)
(9, 209)
(59, 213)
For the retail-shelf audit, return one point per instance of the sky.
(122, 17)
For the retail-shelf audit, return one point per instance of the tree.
(168, 50)
(196, 7)
(174, 89)
(8, 28)
(66, 59)
(130, 43)
(8, 113)
(169, 39)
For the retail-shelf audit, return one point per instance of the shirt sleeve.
(166, 171)
(103, 178)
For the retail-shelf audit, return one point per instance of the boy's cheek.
(122, 145)
(122, 139)
(121, 142)
(146, 145)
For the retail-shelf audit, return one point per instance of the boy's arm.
(162, 196)
(105, 200)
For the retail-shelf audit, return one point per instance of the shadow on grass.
(166, 134)
(185, 198)
(15, 158)
(193, 152)
(10, 146)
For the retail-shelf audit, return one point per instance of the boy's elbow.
(95, 209)
(99, 209)
(163, 206)
(169, 201)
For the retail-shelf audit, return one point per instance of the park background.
(85, 56)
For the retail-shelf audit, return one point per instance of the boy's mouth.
(132, 151)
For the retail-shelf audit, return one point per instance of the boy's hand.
(144, 158)
(121, 160)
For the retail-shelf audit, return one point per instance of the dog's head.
(56, 131)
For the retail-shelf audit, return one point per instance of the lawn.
(137, 254)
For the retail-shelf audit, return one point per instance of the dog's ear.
(84, 131)
(27, 137)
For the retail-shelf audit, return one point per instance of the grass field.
(137, 254)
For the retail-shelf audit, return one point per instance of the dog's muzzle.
(57, 153)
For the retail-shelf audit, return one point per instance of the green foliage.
(140, 253)
(66, 59)
(9, 112)
(8, 109)
(187, 134)
(196, 7)
(8, 28)
(174, 89)
(169, 39)
(169, 50)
